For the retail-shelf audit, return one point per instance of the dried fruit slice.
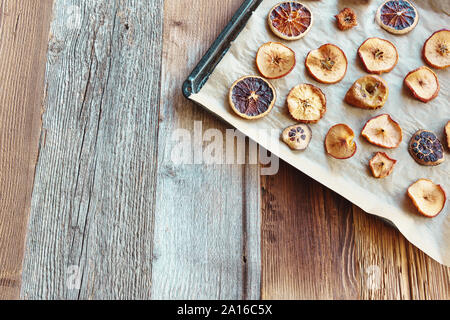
(339, 142)
(447, 134)
(381, 165)
(306, 103)
(297, 137)
(290, 20)
(397, 16)
(346, 19)
(436, 50)
(382, 131)
(423, 83)
(274, 60)
(252, 97)
(378, 55)
(429, 198)
(327, 64)
(368, 92)
(426, 149)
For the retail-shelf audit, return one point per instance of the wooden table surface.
(92, 207)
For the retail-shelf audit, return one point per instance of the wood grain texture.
(107, 198)
(207, 223)
(23, 24)
(317, 245)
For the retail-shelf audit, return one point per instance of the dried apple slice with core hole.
(428, 197)
(423, 83)
(252, 97)
(339, 142)
(378, 55)
(327, 64)
(381, 165)
(436, 50)
(382, 131)
(368, 92)
(274, 60)
(290, 20)
(306, 103)
(397, 16)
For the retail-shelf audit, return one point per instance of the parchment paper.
(350, 178)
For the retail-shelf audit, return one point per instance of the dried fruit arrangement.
(346, 19)
(297, 137)
(378, 55)
(381, 165)
(339, 142)
(252, 97)
(436, 50)
(274, 60)
(290, 20)
(327, 64)
(423, 83)
(397, 16)
(426, 149)
(428, 197)
(306, 103)
(382, 131)
(368, 92)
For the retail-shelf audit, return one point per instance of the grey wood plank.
(207, 222)
(93, 198)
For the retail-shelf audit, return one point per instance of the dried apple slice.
(447, 134)
(346, 19)
(423, 83)
(381, 165)
(297, 137)
(274, 60)
(290, 20)
(397, 16)
(382, 131)
(327, 64)
(426, 149)
(339, 142)
(378, 55)
(306, 103)
(368, 92)
(436, 50)
(429, 198)
(252, 97)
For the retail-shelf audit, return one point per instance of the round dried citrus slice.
(327, 64)
(436, 50)
(252, 97)
(397, 16)
(274, 60)
(290, 20)
(306, 103)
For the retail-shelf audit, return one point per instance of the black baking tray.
(219, 48)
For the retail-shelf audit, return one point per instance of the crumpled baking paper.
(351, 178)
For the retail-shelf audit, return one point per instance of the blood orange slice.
(252, 97)
(397, 16)
(290, 20)
(274, 60)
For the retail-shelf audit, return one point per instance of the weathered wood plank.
(24, 27)
(93, 199)
(317, 245)
(207, 216)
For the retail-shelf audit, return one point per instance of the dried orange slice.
(252, 97)
(274, 60)
(436, 50)
(397, 16)
(306, 103)
(290, 20)
(327, 64)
